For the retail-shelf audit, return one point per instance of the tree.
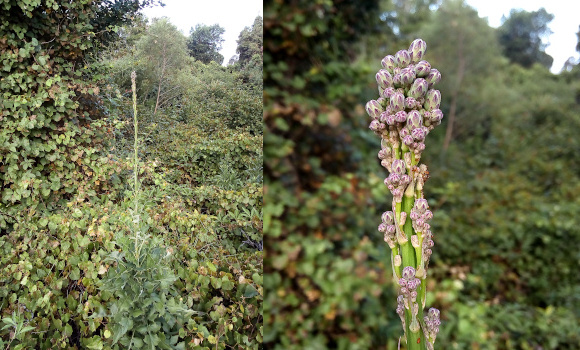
(464, 48)
(251, 42)
(205, 42)
(521, 36)
(164, 50)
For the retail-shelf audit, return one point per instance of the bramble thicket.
(71, 277)
(503, 188)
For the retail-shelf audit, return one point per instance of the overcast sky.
(564, 25)
(233, 15)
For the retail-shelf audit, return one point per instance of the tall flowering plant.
(406, 111)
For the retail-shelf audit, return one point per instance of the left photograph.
(131, 186)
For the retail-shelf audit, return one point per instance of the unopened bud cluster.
(403, 115)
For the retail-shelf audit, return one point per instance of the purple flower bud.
(417, 50)
(436, 115)
(420, 147)
(408, 273)
(389, 63)
(385, 163)
(383, 153)
(433, 77)
(402, 58)
(410, 103)
(398, 166)
(391, 229)
(422, 69)
(408, 140)
(375, 125)
(419, 88)
(394, 179)
(418, 134)
(428, 215)
(405, 179)
(397, 102)
(404, 132)
(382, 227)
(382, 101)
(383, 117)
(401, 116)
(391, 119)
(397, 80)
(432, 100)
(402, 282)
(388, 92)
(414, 120)
(388, 217)
(434, 313)
(414, 215)
(421, 205)
(384, 78)
(374, 109)
(407, 76)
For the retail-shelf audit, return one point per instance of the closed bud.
(375, 125)
(433, 77)
(418, 134)
(402, 58)
(414, 120)
(417, 50)
(421, 205)
(388, 92)
(419, 88)
(382, 227)
(408, 140)
(391, 229)
(389, 63)
(383, 153)
(398, 166)
(410, 103)
(428, 215)
(436, 115)
(432, 100)
(397, 80)
(397, 102)
(422, 69)
(374, 109)
(384, 79)
(401, 116)
(407, 76)
(408, 273)
(391, 119)
(388, 217)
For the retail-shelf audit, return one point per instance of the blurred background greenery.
(504, 184)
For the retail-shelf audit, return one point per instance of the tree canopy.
(205, 42)
(521, 36)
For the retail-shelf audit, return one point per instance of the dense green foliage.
(205, 42)
(504, 188)
(65, 143)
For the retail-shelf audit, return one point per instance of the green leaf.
(250, 291)
(93, 343)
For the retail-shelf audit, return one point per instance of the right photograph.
(421, 175)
